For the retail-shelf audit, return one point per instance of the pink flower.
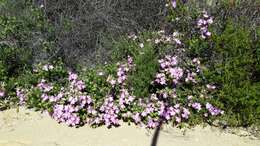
(160, 79)
(151, 124)
(177, 41)
(178, 119)
(136, 118)
(213, 110)
(21, 94)
(174, 3)
(129, 60)
(72, 76)
(196, 106)
(2, 93)
(111, 80)
(176, 72)
(185, 113)
(44, 97)
(208, 33)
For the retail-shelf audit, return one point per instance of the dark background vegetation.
(82, 30)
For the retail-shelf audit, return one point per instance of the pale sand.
(28, 128)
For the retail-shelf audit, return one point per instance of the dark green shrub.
(14, 60)
(25, 31)
(232, 65)
(145, 59)
(96, 81)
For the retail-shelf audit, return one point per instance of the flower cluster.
(75, 83)
(125, 98)
(122, 71)
(66, 114)
(196, 106)
(170, 69)
(21, 94)
(157, 109)
(44, 86)
(66, 102)
(115, 104)
(203, 24)
(108, 113)
(214, 111)
(70, 104)
(173, 73)
(75, 101)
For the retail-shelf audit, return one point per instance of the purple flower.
(174, 3)
(111, 80)
(176, 72)
(80, 85)
(152, 124)
(130, 60)
(66, 114)
(21, 94)
(178, 119)
(72, 76)
(203, 24)
(73, 100)
(185, 113)
(196, 106)
(109, 112)
(44, 97)
(213, 110)
(2, 93)
(136, 118)
(44, 86)
(144, 113)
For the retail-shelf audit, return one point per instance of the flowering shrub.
(233, 66)
(69, 101)
(203, 24)
(171, 89)
(190, 71)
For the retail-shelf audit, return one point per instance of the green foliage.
(3, 76)
(145, 59)
(145, 70)
(232, 68)
(96, 81)
(183, 18)
(231, 55)
(25, 34)
(14, 60)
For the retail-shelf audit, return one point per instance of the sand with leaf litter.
(30, 128)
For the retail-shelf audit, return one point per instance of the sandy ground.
(28, 128)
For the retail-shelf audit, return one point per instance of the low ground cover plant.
(174, 97)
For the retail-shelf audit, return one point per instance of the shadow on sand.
(156, 134)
